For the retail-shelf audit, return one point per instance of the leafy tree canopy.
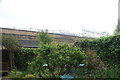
(12, 45)
(43, 37)
(10, 42)
(60, 58)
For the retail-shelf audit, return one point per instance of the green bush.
(107, 48)
(21, 74)
(23, 57)
(108, 73)
(59, 57)
(15, 74)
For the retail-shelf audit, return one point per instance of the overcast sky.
(99, 15)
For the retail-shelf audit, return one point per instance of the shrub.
(60, 58)
(108, 73)
(23, 58)
(107, 48)
(15, 74)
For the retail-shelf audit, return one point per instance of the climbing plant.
(107, 48)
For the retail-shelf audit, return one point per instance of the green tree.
(43, 37)
(60, 58)
(12, 45)
(117, 30)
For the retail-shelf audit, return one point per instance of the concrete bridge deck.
(29, 38)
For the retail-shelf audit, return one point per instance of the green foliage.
(21, 75)
(23, 57)
(117, 30)
(43, 37)
(108, 73)
(30, 76)
(10, 42)
(26, 55)
(15, 74)
(107, 48)
(57, 56)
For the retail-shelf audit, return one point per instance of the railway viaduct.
(29, 38)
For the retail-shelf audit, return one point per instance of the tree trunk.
(11, 59)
